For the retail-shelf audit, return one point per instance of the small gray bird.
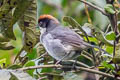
(60, 42)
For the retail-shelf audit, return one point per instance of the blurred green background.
(59, 9)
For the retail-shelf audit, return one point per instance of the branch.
(95, 72)
(79, 63)
(113, 20)
(41, 66)
(60, 66)
(42, 78)
(94, 6)
(87, 13)
(54, 74)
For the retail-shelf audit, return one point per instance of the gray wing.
(68, 36)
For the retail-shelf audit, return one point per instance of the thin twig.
(54, 74)
(22, 49)
(113, 20)
(40, 66)
(60, 66)
(103, 78)
(87, 57)
(108, 28)
(87, 13)
(86, 53)
(116, 31)
(94, 57)
(42, 78)
(95, 7)
(41, 56)
(95, 71)
(80, 63)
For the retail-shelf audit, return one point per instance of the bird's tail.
(93, 46)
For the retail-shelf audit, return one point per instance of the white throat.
(42, 30)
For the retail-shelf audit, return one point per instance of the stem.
(60, 66)
(42, 56)
(54, 74)
(94, 6)
(113, 20)
(87, 13)
(80, 63)
(42, 78)
(40, 66)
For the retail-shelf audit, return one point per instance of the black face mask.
(43, 23)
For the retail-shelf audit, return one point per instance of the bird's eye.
(40, 24)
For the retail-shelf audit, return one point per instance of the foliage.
(14, 75)
(22, 57)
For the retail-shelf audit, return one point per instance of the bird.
(62, 43)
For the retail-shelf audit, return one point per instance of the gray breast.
(56, 49)
(53, 46)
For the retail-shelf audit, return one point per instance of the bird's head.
(45, 20)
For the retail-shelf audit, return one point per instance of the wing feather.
(68, 36)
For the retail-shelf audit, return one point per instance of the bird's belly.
(57, 50)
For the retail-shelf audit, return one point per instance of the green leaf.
(46, 70)
(109, 49)
(5, 28)
(29, 40)
(64, 3)
(7, 74)
(72, 22)
(71, 76)
(3, 38)
(116, 58)
(2, 61)
(6, 17)
(27, 24)
(88, 28)
(30, 63)
(109, 9)
(110, 36)
(7, 6)
(29, 17)
(20, 53)
(100, 36)
(6, 46)
(14, 66)
(13, 77)
(93, 39)
(33, 54)
(106, 65)
(19, 10)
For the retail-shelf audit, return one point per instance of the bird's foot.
(58, 62)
